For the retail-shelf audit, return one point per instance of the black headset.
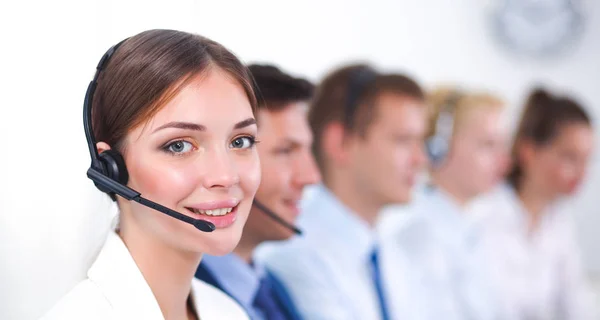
(108, 170)
(258, 204)
(270, 213)
(438, 145)
(359, 81)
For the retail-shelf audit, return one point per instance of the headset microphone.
(276, 217)
(108, 170)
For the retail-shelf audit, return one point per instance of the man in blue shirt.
(368, 129)
(287, 167)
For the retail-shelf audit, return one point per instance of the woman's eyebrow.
(182, 125)
(245, 123)
(199, 127)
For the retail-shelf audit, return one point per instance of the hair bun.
(539, 98)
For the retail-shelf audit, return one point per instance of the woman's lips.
(221, 217)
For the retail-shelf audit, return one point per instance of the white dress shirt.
(326, 270)
(116, 289)
(435, 251)
(538, 275)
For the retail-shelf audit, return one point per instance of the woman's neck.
(535, 202)
(245, 248)
(448, 187)
(168, 272)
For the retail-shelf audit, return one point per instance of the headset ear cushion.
(437, 149)
(114, 164)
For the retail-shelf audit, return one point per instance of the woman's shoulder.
(212, 303)
(84, 301)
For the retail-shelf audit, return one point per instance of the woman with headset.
(533, 251)
(170, 124)
(436, 247)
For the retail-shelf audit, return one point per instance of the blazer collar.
(119, 279)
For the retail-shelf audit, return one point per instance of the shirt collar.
(118, 277)
(328, 221)
(452, 222)
(236, 276)
(517, 214)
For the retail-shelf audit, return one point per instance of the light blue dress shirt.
(437, 253)
(327, 269)
(238, 278)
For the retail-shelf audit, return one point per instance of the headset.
(438, 145)
(108, 170)
(276, 217)
(258, 204)
(359, 81)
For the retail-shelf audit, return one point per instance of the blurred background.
(52, 219)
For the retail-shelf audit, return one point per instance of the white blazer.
(116, 289)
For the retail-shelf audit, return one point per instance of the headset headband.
(444, 124)
(359, 81)
(87, 106)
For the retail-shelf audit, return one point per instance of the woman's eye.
(243, 142)
(179, 146)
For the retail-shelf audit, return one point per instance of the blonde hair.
(458, 104)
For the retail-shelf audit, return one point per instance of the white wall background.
(51, 218)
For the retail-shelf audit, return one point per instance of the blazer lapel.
(122, 283)
(207, 276)
(203, 273)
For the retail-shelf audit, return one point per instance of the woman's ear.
(102, 146)
(526, 152)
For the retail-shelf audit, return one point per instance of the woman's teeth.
(213, 212)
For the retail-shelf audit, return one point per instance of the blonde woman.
(437, 249)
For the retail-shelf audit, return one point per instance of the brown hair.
(543, 118)
(458, 103)
(333, 94)
(276, 89)
(147, 71)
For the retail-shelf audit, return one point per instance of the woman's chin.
(220, 249)
(219, 252)
(221, 242)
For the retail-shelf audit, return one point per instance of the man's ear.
(333, 142)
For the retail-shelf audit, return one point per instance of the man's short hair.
(276, 89)
(348, 96)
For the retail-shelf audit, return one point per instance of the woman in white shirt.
(532, 247)
(435, 249)
(173, 117)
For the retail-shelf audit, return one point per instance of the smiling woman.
(176, 112)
